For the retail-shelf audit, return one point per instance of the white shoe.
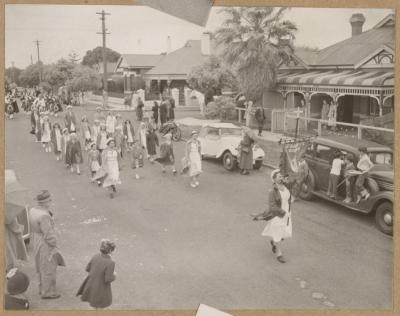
(137, 177)
(193, 185)
(49, 149)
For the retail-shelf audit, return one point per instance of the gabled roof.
(351, 51)
(180, 61)
(138, 60)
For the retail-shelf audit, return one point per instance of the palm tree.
(255, 41)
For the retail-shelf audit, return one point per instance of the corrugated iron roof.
(139, 60)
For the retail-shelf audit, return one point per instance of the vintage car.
(221, 141)
(319, 156)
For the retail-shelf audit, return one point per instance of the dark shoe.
(273, 247)
(246, 173)
(281, 259)
(54, 296)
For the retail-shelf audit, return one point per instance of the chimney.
(357, 21)
(206, 43)
(168, 44)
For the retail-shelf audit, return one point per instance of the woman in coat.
(278, 227)
(154, 109)
(74, 153)
(56, 139)
(96, 288)
(246, 153)
(163, 112)
(151, 142)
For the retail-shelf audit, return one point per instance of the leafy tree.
(255, 41)
(56, 75)
(12, 74)
(95, 56)
(84, 78)
(30, 76)
(212, 74)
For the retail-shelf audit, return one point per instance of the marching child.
(95, 130)
(102, 138)
(119, 140)
(46, 134)
(167, 157)
(349, 180)
(74, 153)
(56, 139)
(118, 121)
(151, 143)
(142, 136)
(64, 141)
(129, 134)
(137, 158)
(110, 123)
(94, 161)
(85, 130)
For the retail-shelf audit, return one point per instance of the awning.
(354, 78)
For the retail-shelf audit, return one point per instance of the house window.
(373, 107)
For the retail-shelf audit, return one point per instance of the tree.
(84, 78)
(12, 74)
(95, 56)
(255, 41)
(212, 74)
(56, 75)
(30, 76)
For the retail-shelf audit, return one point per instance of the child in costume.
(85, 130)
(102, 138)
(119, 140)
(129, 134)
(56, 139)
(137, 158)
(74, 153)
(46, 134)
(94, 161)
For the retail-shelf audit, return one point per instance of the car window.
(212, 131)
(231, 131)
(381, 158)
(324, 152)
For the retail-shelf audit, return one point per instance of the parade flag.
(291, 153)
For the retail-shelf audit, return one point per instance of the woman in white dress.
(110, 164)
(279, 225)
(46, 134)
(193, 156)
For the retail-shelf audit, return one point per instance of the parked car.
(379, 183)
(221, 141)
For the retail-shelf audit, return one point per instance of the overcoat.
(74, 153)
(151, 142)
(96, 288)
(246, 153)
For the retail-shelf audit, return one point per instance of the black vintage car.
(319, 156)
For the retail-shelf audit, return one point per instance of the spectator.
(364, 165)
(334, 175)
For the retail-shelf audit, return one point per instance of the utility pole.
(104, 33)
(31, 60)
(13, 71)
(38, 57)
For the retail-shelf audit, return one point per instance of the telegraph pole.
(13, 71)
(104, 33)
(38, 57)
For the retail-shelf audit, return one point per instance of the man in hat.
(17, 284)
(46, 251)
(70, 120)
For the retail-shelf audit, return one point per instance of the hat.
(362, 149)
(91, 144)
(109, 140)
(106, 246)
(72, 134)
(64, 130)
(69, 107)
(17, 282)
(274, 173)
(194, 132)
(43, 196)
(98, 108)
(119, 127)
(96, 120)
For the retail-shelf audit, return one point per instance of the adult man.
(46, 251)
(70, 120)
(171, 114)
(364, 165)
(260, 118)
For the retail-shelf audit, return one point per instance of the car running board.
(352, 205)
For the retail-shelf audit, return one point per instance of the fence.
(323, 127)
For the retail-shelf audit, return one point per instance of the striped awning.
(354, 78)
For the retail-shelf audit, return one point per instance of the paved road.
(178, 247)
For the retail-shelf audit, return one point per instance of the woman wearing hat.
(279, 227)
(111, 121)
(193, 155)
(66, 137)
(167, 157)
(70, 120)
(110, 164)
(46, 251)
(56, 139)
(85, 131)
(74, 154)
(96, 288)
(246, 152)
(99, 115)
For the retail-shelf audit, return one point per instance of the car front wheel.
(384, 217)
(229, 161)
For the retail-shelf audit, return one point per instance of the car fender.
(232, 149)
(375, 199)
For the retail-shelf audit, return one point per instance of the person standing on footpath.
(163, 111)
(246, 152)
(260, 118)
(154, 109)
(278, 215)
(46, 252)
(96, 288)
(193, 155)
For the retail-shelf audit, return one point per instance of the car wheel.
(229, 161)
(384, 217)
(176, 136)
(258, 164)
(307, 187)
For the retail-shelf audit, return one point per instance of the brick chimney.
(206, 43)
(357, 21)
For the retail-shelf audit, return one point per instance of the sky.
(62, 29)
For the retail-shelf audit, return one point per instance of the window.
(212, 131)
(324, 152)
(373, 107)
(231, 131)
(381, 158)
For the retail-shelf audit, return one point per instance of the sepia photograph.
(174, 155)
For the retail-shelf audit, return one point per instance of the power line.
(104, 33)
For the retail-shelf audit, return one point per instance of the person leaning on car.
(364, 165)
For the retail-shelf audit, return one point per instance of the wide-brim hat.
(273, 173)
(43, 196)
(69, 107)
(17, 282)
(64, 130)
(194, 133)
(110, 140)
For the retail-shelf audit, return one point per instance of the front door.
(345, 109)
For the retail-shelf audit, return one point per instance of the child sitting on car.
(348, 178)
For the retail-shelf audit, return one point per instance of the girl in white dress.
(193, 156)
(102, 138)
(110, 164)
(46, 134)
(56, 138)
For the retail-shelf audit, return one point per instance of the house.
(357, 74)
